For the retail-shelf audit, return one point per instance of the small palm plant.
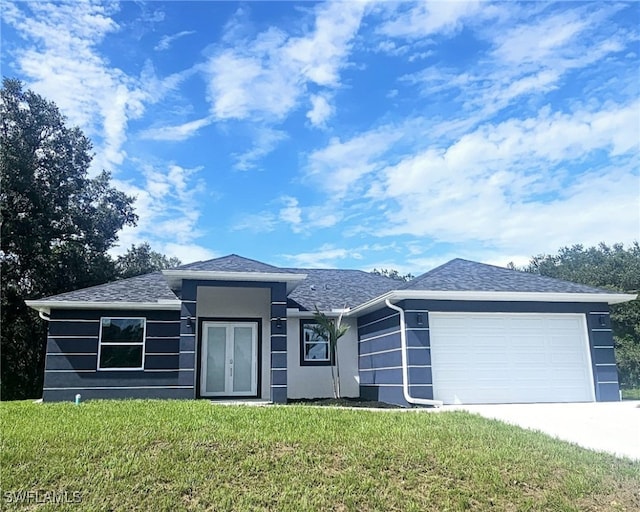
(331, 330)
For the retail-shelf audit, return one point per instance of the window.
(121, 344)
(314, 349)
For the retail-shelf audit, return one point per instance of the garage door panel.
(559, 322)
(524, 324)
(527, 359)
(526, 339)
(499, 358)
(567, 374)
(565, 358)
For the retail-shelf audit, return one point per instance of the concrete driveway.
(612, 427)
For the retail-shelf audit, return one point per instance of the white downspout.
(405, 368)
(42, 315)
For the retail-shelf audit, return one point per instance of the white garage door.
(510, 358)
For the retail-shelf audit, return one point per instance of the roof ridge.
(228, 258)
(468, 267)
(428, 273)
(250, 259)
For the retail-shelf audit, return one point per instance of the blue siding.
(379, 332)
(380, 358)
(278, 342)
(187, 345)
(72, 357)
(389, 394)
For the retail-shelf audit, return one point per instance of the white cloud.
(291, 213)
(187, 253)
(533, 42)
(266, 140)
(530, 56)
(167, 205)
(424, 18)
(167, 40)
(263, 222)
(328, 255)
(507, 185)
(176, 133)
(62, 63)
(341, 164)
(321, 110)
(265, 77)
(325, 256)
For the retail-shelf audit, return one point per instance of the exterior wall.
(72, 358)
(219, 303)
(380, 353)
(315, 381)
(238, 299)
(379, 356)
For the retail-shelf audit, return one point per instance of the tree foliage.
(393, 274)
(612, 267)
(331, 330)
(142, 259)
(57, 225)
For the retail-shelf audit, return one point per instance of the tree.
(142, 260)
(331, 330)
(57, 225)
(393, 274)
(614, 268)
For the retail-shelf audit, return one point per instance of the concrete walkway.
(612, 427)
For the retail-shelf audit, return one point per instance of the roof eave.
(45, 306)
(292, 280)
(609, 298)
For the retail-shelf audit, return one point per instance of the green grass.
(191, 455)
(631, 394)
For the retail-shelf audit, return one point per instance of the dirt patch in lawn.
(344, 402)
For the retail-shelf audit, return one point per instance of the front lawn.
(191, 455)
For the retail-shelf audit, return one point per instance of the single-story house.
(233, 327)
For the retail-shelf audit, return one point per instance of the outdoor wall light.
(279, 323)
(602, 321)
(419, 318)
(189, 322)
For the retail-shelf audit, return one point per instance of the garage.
(481, 358)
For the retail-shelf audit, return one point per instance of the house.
(464, 332)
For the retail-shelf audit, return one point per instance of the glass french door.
(229, 359)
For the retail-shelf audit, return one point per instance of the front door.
(229, 359)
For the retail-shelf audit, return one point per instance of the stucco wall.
(224, 302)
(315, 381)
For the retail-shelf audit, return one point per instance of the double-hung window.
(121, 344)
(314, 348)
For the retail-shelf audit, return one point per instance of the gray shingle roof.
(336, 289)
(232, 263)
(464, 275)
(146, 288)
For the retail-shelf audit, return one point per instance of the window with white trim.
(314, 348)
(121, 344)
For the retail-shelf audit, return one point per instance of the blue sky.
(351, 135)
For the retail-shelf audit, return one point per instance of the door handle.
(230, 367)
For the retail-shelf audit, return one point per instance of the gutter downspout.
(405, 368)
(42, 315)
